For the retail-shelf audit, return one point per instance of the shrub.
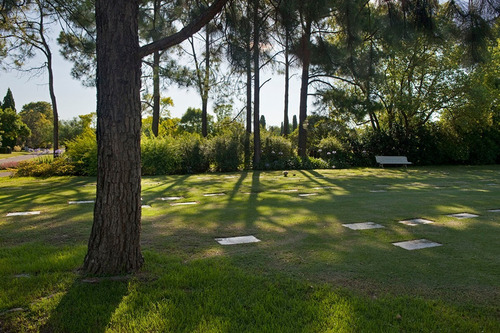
(225, 152)
(17, 149)
(314, 163)
(82, 152)
(190, 149)
(5, 150)
(45, 167)
(159, 156)
(276, 153)
(331, 150)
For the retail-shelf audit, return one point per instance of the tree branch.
(185, 32)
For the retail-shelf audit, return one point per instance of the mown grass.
(308, 273)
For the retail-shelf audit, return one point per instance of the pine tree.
(8, 101)
(294, 123)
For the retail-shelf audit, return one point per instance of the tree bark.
(114, 244)
(306, 61)
(206, 86)
(256, 89)
(156, 93)
(287, 84)
(248, 67)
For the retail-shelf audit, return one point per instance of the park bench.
(392, 160)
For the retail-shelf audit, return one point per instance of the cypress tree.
(8, 101)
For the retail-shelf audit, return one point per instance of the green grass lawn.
(308, 273)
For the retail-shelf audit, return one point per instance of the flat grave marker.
(363, 226)
(36, 212)
(307, 194)
(416, 244)
(171, 198)
(415, 222)
(81, 202)
(237, 240)
(213, 194)
(188, 203)
(494, 210)
(463, 215)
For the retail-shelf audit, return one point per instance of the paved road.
(15, 159)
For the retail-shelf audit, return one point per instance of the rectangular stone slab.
(80, 202)
(24, 213)
(184, 203)
(307, 194)
(213, 194)
(237, 240)
(414, 222)
(416, 244)
(363, 226)
(171, 198)
(463, 215)
(494, 210)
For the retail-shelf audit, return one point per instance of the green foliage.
(82, 152)
(191, 121)
(70, 129)
(173, 155)
(12, 128)
(8, 101)
(39, 118)
(331, 150)
(190, 148)
(262, 121)
(45, 167)
(294, 123)
(159, 156)
(225, 152)
(277, 153)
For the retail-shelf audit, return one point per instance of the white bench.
(393, 160)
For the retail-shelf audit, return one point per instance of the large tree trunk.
(156, 93)
(256, 89)
(248, 65)
(156, 72)
(114, 246)
(306, 61)
(287, 84)
(206, 86)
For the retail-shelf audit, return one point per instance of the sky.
(74, 99)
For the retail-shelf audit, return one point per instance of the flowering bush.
(276, 153)
(333, 152)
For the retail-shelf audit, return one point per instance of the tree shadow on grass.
(86, 307)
